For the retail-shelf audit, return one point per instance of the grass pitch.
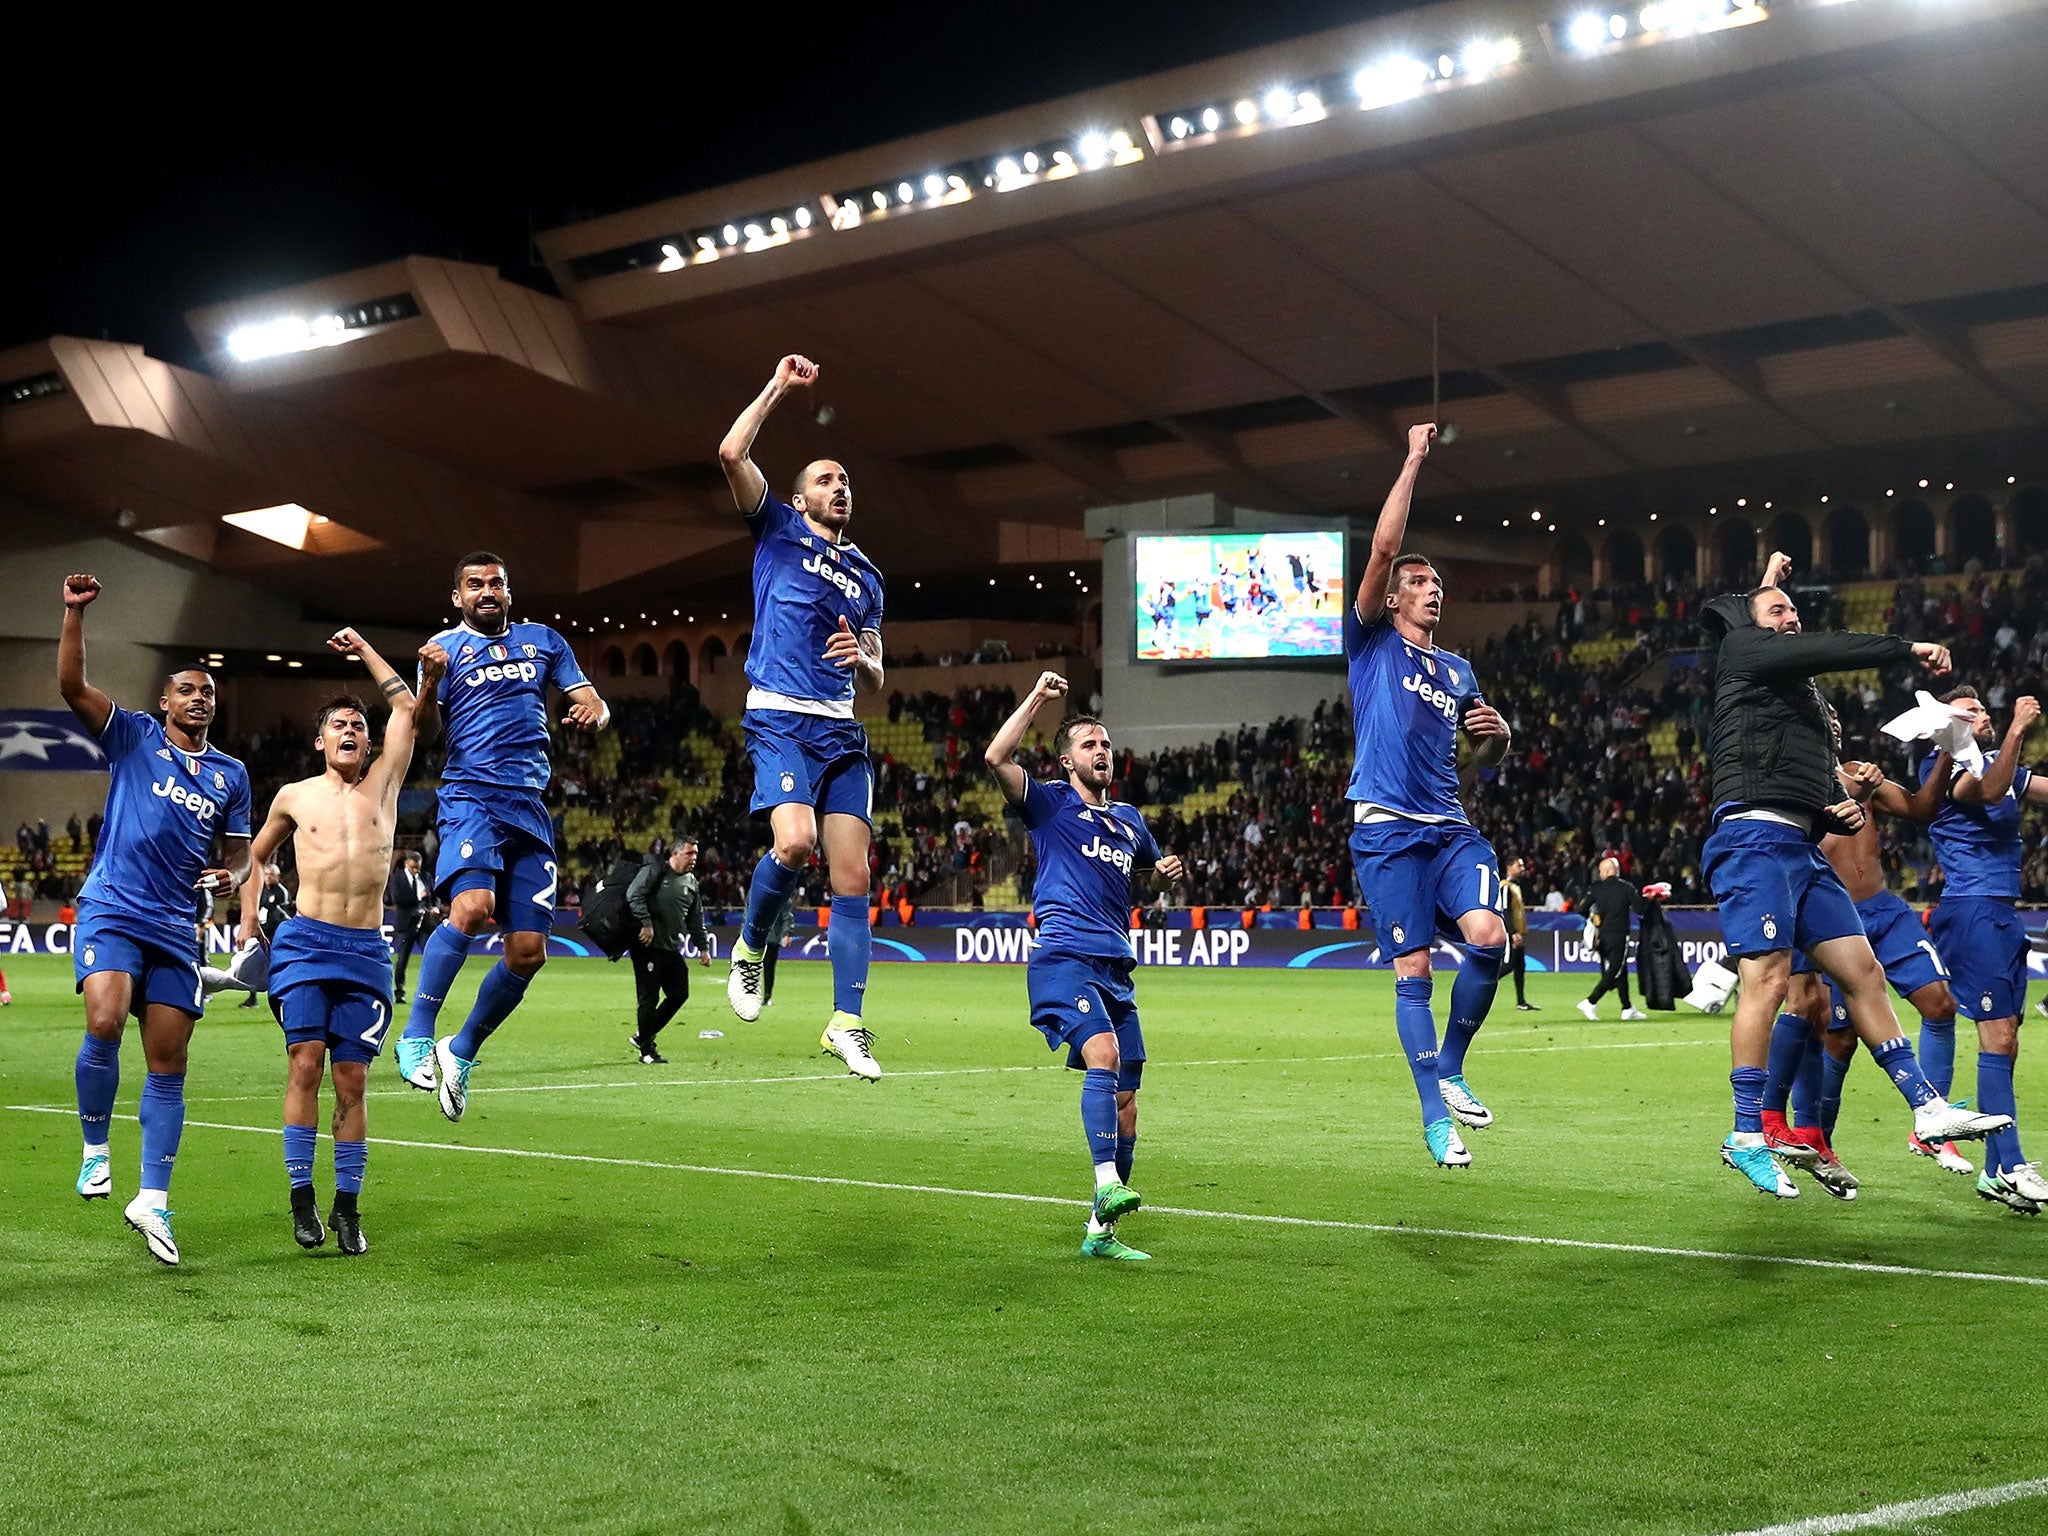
(629, 1330)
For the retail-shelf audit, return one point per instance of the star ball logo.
(46, 740)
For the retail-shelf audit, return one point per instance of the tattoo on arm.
(393, 687)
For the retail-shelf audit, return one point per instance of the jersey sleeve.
(1148, 845)
(124, 731)
(1359, 635)
(2021, 778)
(1040, 803)
(873, 619)
(772, 515)
(237, 823)
(563, 670)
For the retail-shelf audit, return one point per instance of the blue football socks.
(1938, 1054)
(298, 1154)
(1806, 1083)
(1748, 1083)
(1895, 1056)
(1788, 1047)
(1098, 1114)
(162, 1113)
(98, 1076)
(440, 963)
(1415, 1022)
(1995, 1097)
(351, 1158)
(1126, 1155)
(502, 991)
(1471, 1000)
(1832, 1074)
(766, 893)
(849, 941)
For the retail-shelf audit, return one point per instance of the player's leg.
(1393, 862)
(467, 867)
(1838, 1049)
(305, 1024)
(1472, 996)
(1116, 997)
(849, 940)
(1518, 963)
(166, 1037)
(524, 908)
(646, 997)
(351, 1141)
(1798, 1026)
(97, 1073)
(1936, 1004)
(783, 789)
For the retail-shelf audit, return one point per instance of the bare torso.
(1855, 859)
(342, 835)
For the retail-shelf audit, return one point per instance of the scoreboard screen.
(1238, 596)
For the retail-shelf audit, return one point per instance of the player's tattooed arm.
(92, 707)
(736, 452)
(1391, 531)
(587, 709)
(396, 758)
(1001, 755)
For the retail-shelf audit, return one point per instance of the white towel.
(1943, 727)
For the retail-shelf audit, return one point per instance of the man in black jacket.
(665, 901)
(1610, 903)
(1774, 794)
(412, 916)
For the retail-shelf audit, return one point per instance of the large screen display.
(1238, 596)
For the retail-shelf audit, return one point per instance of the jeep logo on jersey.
(199, 805)
(511, 671)
(850, 585)
(1098, 849)
(1429, 693)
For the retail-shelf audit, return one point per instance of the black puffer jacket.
(1769, 744)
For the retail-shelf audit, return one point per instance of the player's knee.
(1940, 1008)
(302, 1071)
(525, 953)
(1484, 929)
(1414, 963)
(471, 910)
(793, 850)
(104, 1022)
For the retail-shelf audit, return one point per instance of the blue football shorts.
(1985, 945)
(498, 840)
(161, 958)
(1418, 878)
(815, 760)
(1775, 889)
(333, 985)
(1077, 997)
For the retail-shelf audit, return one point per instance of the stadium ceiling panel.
(1789, 229)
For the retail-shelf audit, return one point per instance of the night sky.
(179, 174)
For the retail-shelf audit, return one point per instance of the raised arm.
(396, 758)
(1392, 528)
(1924, 803)
(736, 452)
(92, 707)
(426, 704)
(1001, 755)
(1991, 786)
(1766, 655)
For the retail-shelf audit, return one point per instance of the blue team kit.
(164, 808)
(805, 745)
(1421, 864)
(1975, 925)
(1909, 957)
(332, 984)
(1775, 889)
(494, 830)
(1079, 977)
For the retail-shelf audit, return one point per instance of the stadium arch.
(1847, 533)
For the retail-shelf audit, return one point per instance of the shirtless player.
(330, 969)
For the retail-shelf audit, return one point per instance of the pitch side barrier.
(1004, 938)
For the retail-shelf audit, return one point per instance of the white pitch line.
(1891, 1516)
(833, 1077)
(1519, 1238)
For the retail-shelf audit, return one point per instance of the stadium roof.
(1656, 242)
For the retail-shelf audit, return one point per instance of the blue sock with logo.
(849, 942)
(1098, 1114)
(351, 1158)
(1788, 1047)
(1938, 1054)
(766, 894)
(1415, 1023)
(1896, 1057)
(1832, 1074)
(502, 991)
(440, 963)
(162, 1113)
(98, 1075)
(298, 1154)
(1126, 1155)
(1806, 1083)
(1748, 1083)
(1995, 1097)
(1471, 1000)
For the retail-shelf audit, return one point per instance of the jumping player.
(1421, 864)
(817, 639)
(132, 947)
(497, 845)
(1087, 847)
(1774, 793)
(1977, 839)
(330, 969)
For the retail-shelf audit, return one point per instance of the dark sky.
(172, 174)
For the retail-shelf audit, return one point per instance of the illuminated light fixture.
(1891, 493)
(1211, 120)
(1742, 501)
(1950, 486)
(1653, 517)
(671, 259)
(707, 245)
(1446, 65)
(1823, 501)
(295, 663)
(1552, 528)
(881, 199)
(302, 333)
(803, 218)
(1031, 162)
(1093, 148)
(732, 234)
(1007, 169)
(905, 192)
(1459, 518)
(1309, 103)
(934, 185)
(1391, 80)
(286, 524)
(1923, 485)
(1617, 27)
(273, 657)
(2012, 479)
(1586, 32)
(1603, 522)
(1535, 517)
(1246, 112)
(1279, 102)
(779, 224)
(1120, 144)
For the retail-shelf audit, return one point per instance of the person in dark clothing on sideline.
(1611, 901)
(413, 915)
(778, 934)
(1518, 933)
(665, 899)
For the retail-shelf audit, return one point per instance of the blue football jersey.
(494, 703)
(1979, 845)
(164, 807)
(803, 586)
(1406, 704)
(1086, 855)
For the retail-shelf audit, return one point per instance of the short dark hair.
(1965, 691)
(479, 557)
(1063, 736)
(339, 701)
(175, 673)
(410, 853)
(1402, 562)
